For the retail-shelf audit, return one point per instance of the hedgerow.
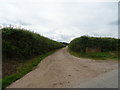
(23, 44)
(106, 44)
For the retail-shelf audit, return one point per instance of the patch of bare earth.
(62, 70)
(9, 67)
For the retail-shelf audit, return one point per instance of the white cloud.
(62, 20)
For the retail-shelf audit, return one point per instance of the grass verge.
(26, 67)
(96, 56)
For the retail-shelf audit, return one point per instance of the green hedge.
(23, 44)
(106, 44)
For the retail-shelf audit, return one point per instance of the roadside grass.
(96, 56)
(26, 67)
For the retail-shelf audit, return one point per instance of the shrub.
(23, 44)
(106, 44)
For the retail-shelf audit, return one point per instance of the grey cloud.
(61, 21)
(6, 21)
(114, 22)
(66, 37)
(22, 22)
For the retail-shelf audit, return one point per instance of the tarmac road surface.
(107, 80)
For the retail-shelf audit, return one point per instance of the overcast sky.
(62, 20)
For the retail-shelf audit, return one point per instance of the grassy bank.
(23, 69)
(96, 56)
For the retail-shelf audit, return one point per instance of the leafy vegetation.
(23, 69)
(97, 55)
(23, 44)
(18, 47)
(106, 45)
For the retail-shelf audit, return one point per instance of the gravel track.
(62, 70)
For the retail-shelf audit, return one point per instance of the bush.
(106, 44)
(23, 44)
